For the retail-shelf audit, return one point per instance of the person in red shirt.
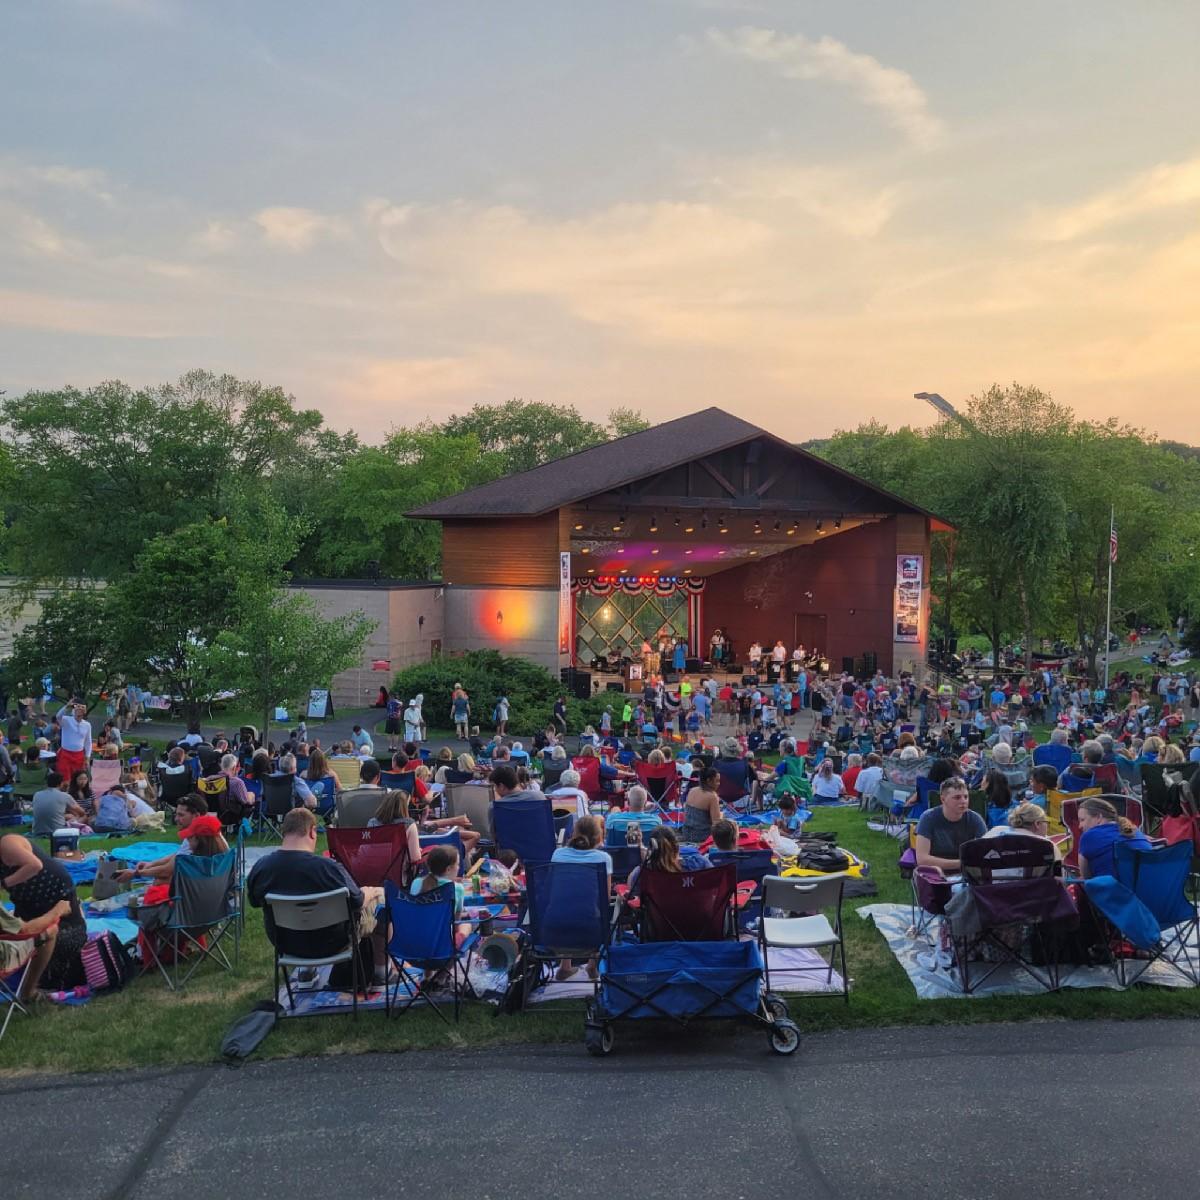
(854, 766)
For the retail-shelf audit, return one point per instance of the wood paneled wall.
(510, 552)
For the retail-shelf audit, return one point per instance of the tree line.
(168, 520)
(1031, 490)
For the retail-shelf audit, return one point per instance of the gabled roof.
(614, 464)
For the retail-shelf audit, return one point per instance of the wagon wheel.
(599, 1042)
(776, 1005)
(785, 1037)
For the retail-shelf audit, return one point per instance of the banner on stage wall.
(907, 624)
(564, 603)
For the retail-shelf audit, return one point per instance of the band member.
(716, 646)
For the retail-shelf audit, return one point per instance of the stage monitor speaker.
(848, 664)
(614, 687)
(749, 679)
(693, 664)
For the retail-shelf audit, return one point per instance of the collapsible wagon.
(684, 982)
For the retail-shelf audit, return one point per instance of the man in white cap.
(412, 722)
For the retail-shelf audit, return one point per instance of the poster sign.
(320, 704)
(909, 570)
(564, 603)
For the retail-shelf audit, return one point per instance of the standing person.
(716, 647)
(679, 656)
(392, 723)
(500, 716)
(75, 751)
(754, 654)
(412, 721)
(460, 710)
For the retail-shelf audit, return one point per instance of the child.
(1042, 780)
(788, 821)
(441, 865)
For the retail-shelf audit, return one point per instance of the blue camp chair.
(420, 942)
(398, 781)
(1159, 879)
(449, 837)
(526, 827)
(570, 916)
(624, 859)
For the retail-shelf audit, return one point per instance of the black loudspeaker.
(848, 664)
(749, 679)
(869, 662)
(694, 664)
(577, 682)
(614, 687)
(733, 668)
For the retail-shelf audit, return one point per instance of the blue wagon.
(684, 982)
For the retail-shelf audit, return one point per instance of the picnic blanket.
(933, 981)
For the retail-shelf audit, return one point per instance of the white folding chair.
(315, 913)
(809, 895)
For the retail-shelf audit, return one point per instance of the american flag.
(1112, 543)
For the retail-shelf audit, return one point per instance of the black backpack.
(823, 858)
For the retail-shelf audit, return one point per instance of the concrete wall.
(516, 621)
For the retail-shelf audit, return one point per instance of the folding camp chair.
(809, 895)
(105, 772)
(473, 801)
(173, 788)
(624, 859)
(278, 799)
(1012, 888)
(752, 867)
(448, 837)
(347, 770)
(1160, 787)
(1126, 806)
(589, 776)
(1159, 878)
(373, 856)
(570, 916)
(421, 937)
(320, 912)
(202, 911)
(10, 990)
(526, 827)
(691, 906)
(660, 780)
(357, 806)
(734, 787)
(398, 781)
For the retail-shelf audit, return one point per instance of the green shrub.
(487, 675)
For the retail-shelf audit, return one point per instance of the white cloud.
(893, 91)
(31, 177)
(1169, 185)
(296, 229)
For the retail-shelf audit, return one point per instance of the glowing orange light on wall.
(505, 616)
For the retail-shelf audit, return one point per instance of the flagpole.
(1112, 524)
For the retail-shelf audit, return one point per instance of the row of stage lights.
(639, 579)
(793, 526)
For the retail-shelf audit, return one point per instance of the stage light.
(687, 552)
(721, 553)
(687, 570)
(791, 530)
(689, 529)
(757, 525)
(579, 526)
(677, 524)
(819, 529)
(620, 549)
(753, 553)
(591, 570)
(653, 524)
(655, 550)
(585, 550)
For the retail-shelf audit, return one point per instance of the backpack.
(215, 789)
(106, 963)
(824, 858)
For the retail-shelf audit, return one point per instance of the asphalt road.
(1062, 1109)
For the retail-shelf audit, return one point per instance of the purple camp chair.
(1015, 905)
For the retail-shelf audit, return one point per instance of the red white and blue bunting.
(631, 585)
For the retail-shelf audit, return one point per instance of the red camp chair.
(373, 856)
(660, 780)
(1126, 807)
(691, 906)
(589, 776)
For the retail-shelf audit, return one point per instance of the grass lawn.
(145, 1025)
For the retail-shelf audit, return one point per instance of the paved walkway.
(1068, 1109)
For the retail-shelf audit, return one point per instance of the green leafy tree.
(280, 646)
(74, 641)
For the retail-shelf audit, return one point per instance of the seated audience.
(942, 831)
(1100, 830)
(634, 816)
(52, 807)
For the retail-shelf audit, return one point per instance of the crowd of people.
(669, 770)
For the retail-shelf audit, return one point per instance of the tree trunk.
(1026, 621)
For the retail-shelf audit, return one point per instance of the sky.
(803, 212)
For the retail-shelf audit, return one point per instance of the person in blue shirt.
(1100, 830)
(1194, 756)
(1080, 776)
(618, 823)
